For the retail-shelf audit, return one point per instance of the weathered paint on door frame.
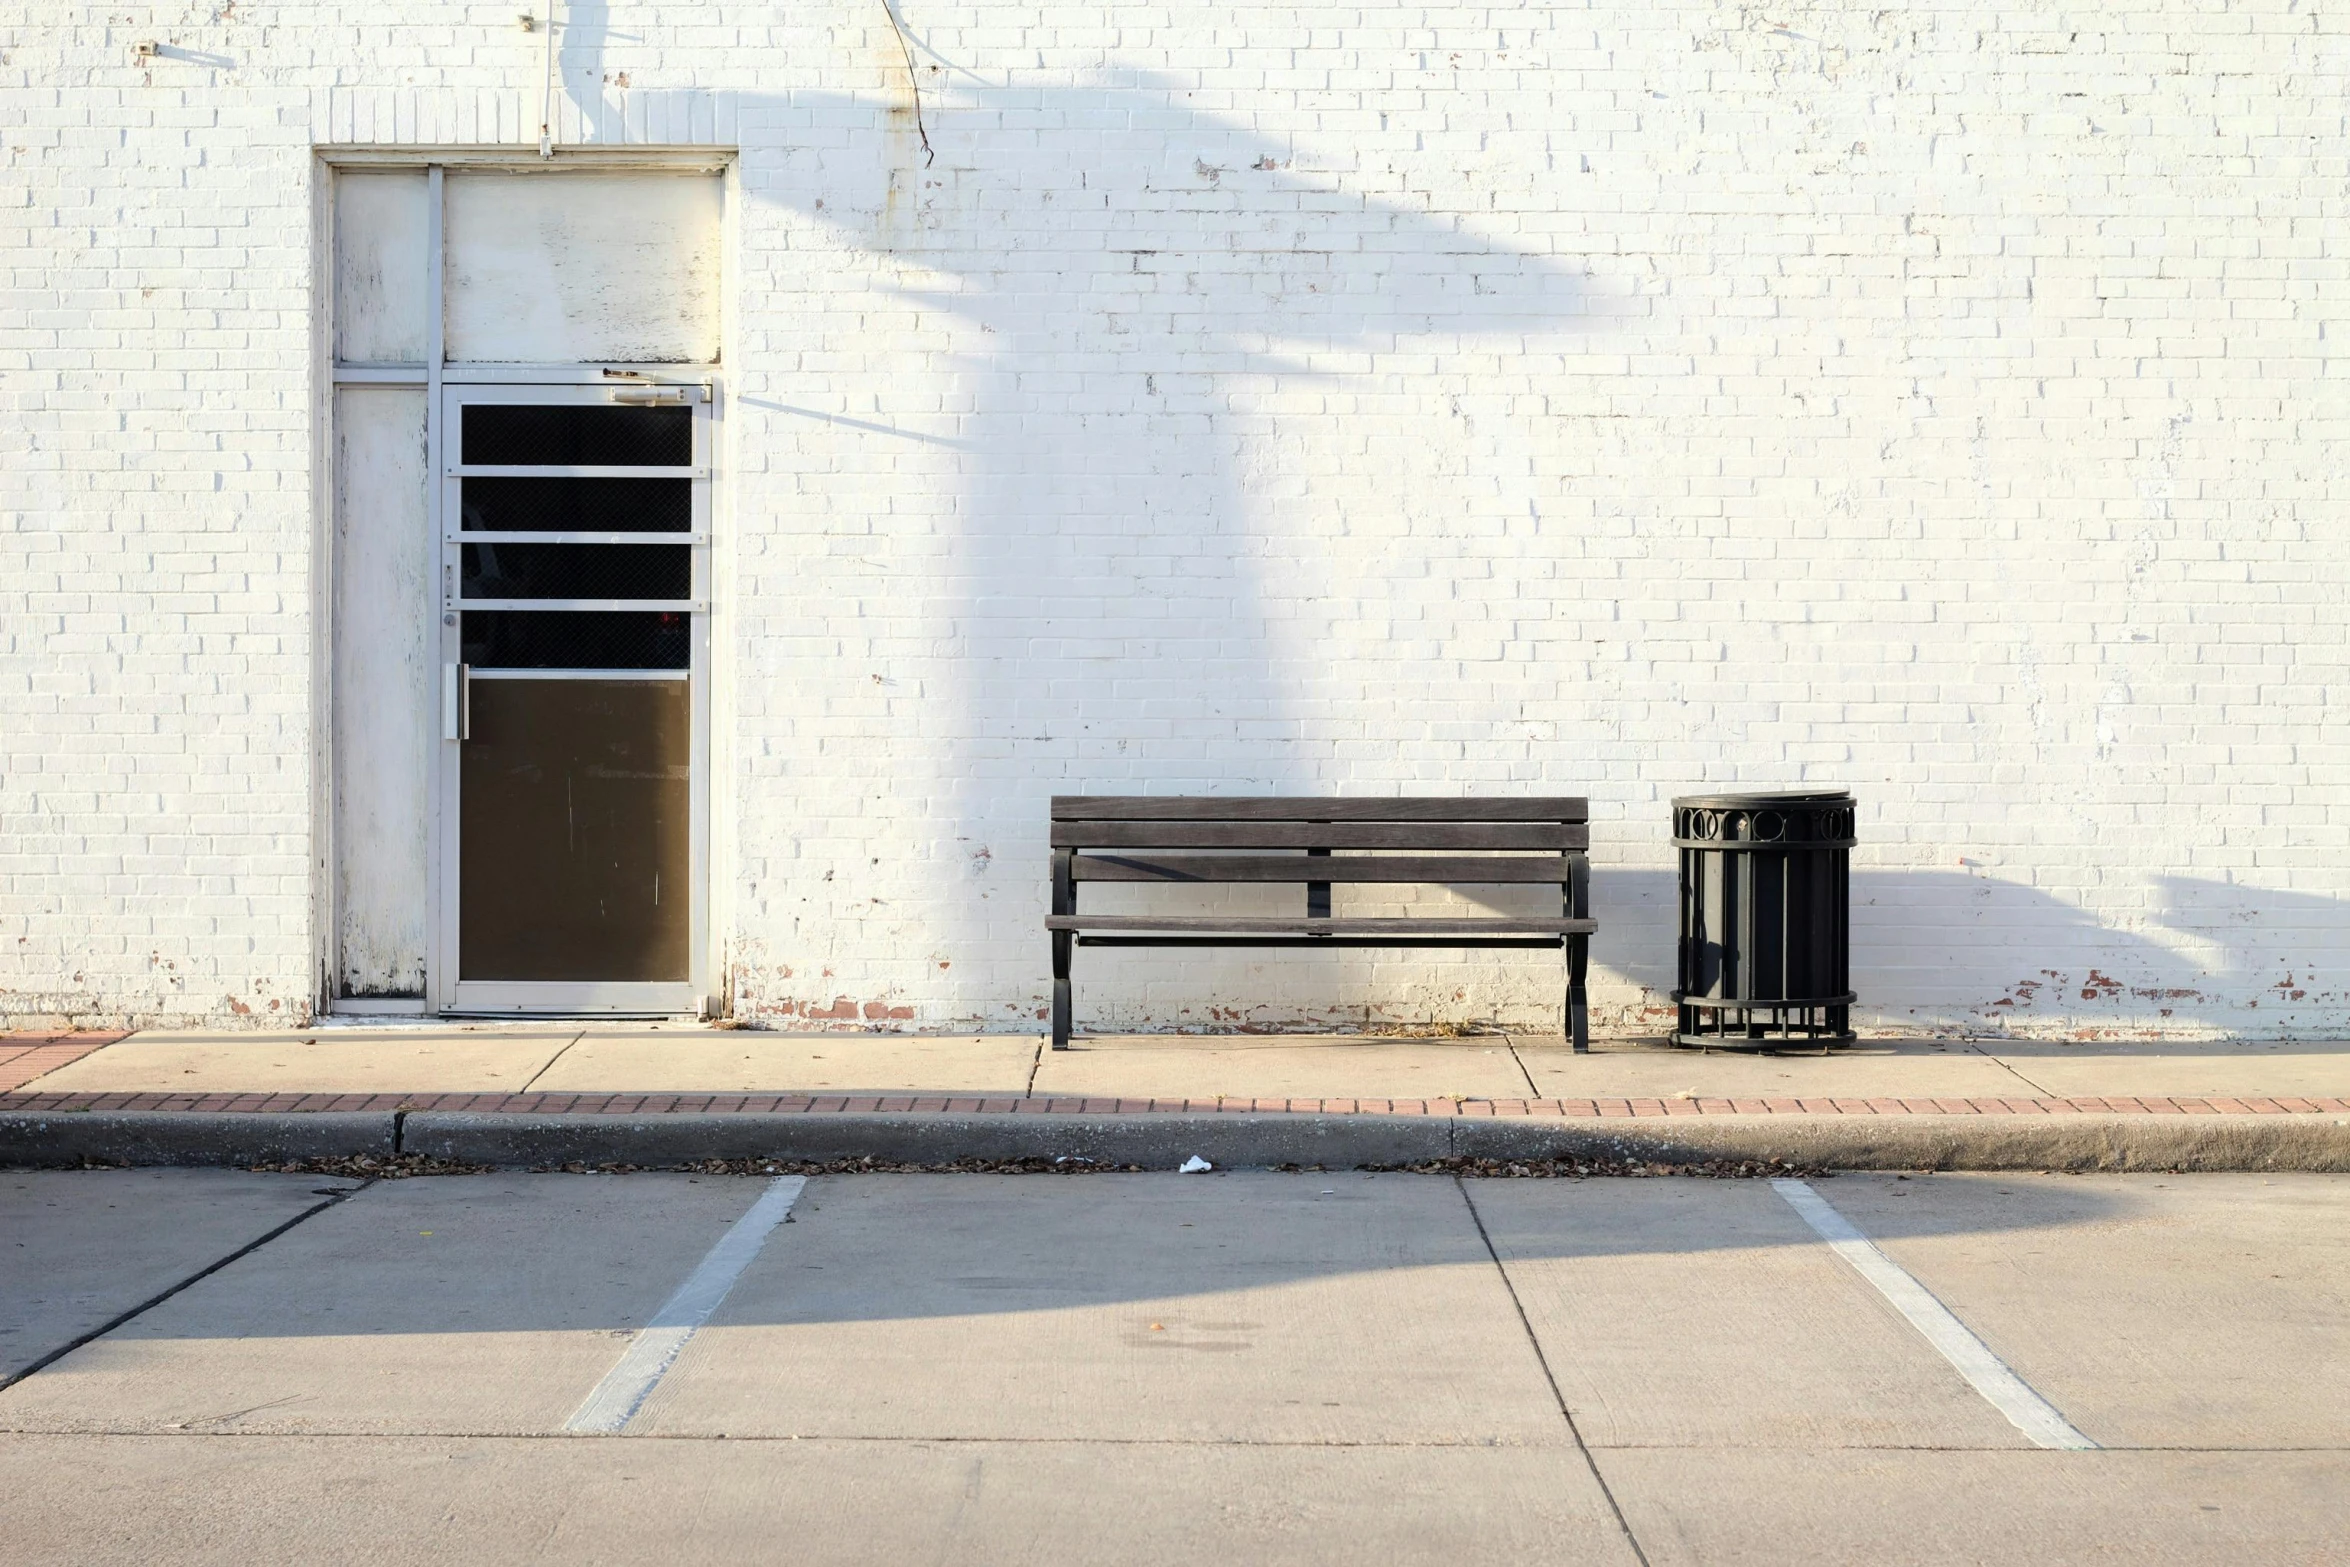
(434, 377)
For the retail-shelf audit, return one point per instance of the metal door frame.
(588, 385)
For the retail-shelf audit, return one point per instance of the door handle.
(457, 702)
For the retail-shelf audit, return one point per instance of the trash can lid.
(1766, 801)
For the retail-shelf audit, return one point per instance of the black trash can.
(1766, 928)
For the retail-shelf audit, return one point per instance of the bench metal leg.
(1578, 1017)
(1063, 1002)
(1578, 907)
(1064, 943)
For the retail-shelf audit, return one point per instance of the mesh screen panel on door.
(578, 505)
(599, 639)
(575, 832)
(578, 571)
(578, 435)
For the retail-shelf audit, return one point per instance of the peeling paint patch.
(2100, 987)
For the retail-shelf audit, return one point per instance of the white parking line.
(650, 1354)
(2008, 1393)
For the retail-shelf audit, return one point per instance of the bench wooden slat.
(1452, 869)
(1423, 840)
(1531, 836)
(1290, 808)
(1498, 926)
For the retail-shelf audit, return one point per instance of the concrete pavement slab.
(451, 1056)
(1731, 1508)
(1254, 1307)
(587, 1502)
(1918, 1069)
(339, 1061)
(1296, 1376)
(80, 1247)
(2204, 1312)
(1696, 1312)
(461, 1304)
(2197, 1068)
(740, 1061)
(1283, 1066)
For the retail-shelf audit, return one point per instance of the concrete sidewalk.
(506, 1093)
(615, 1058)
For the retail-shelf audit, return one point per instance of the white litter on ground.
(1193, 1166)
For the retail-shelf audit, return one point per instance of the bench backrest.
(1427, 839)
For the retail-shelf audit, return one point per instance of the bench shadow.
(1942, 952)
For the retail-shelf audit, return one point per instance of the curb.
(2079, 1143)
(2071, 1144)
(148, 1137)
(1152, 1141)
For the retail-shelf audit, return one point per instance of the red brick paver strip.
(18, 1102)
(24, 1057)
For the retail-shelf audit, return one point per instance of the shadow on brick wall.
(1121, 580)
(1936, 948)
(1110, 569)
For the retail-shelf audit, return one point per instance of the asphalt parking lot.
(1250, 1366)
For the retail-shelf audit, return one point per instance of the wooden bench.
(1191, 842)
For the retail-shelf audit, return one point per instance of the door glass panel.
(602, 639)
(578, 571)
(573, 834)
(579, 435)
(514, 505)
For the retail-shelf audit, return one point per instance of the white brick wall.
(1946, 403)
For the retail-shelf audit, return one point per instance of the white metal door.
(573, 787)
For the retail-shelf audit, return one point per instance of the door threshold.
(566, 1015)
(378, 1006)
(574, 998)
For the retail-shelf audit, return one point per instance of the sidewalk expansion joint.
(1549, 1376)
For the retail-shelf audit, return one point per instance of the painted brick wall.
(155, 518)
(1947, 403)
